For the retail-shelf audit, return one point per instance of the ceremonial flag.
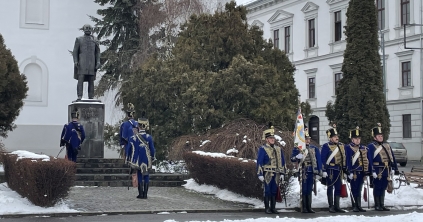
(299, 135)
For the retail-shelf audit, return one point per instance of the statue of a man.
(86, 58)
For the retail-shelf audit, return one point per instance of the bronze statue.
(86, 58)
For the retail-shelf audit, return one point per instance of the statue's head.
(87, 29)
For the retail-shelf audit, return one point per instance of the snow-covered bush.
(42, 179)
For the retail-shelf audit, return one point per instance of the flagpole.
(299, 147)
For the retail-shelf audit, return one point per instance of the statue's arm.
(75, 52)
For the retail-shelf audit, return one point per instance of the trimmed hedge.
(229, 173)
(44, 183)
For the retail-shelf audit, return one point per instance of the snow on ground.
(350, 218)
(405, 195)
(26, 154)
(171, 167)
(12, 203)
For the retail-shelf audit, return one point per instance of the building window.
(338, 26)
(311, 33)
(406, 73)
(276, 39)
(287, 39)
(380, 14)
(406, 126)
(405, 12)
(311, 88)
(338, 77)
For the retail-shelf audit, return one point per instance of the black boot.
(355, 204)
(266, 205)
(358, 204)
(309, 204)
(382, 203)
(331, 207)
(140, 191)
(304, 204)
(377, 203)
(337, 208)
(145, 191)
(273, 205)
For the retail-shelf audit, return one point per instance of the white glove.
(261, 178)
(299, 156)
(282, 178)
(350, 176)
(345, 176)
(318, 177)
(325, 175)
(374, 175)
(392, 172)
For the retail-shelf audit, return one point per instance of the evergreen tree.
(13, 89)
(221, 70)
(360, 100)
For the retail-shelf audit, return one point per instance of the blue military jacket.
(126, 131)
(270, 159)
(338, 161)
(142, 150)
(361, 162)
(73, 134)
(382, 158)
(312, 161)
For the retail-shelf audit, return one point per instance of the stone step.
(99, 160)
(103, 170)
(122, 176)
(126, 183)
(101, 165)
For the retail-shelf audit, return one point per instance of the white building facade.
(39, 34)
(312, 34)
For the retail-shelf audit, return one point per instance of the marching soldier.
(73, 134)
(126, 129)
(270, 168)
(334, 166)
(142, 155)
(358, 164)
(382, 164)
(311, 166)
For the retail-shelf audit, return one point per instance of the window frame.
(406, 126)
(337, 79)
(287, 40)
(406, 71)
(312, 91)
(408, 13)
(338, 25)
(276, 38)
(311, 33)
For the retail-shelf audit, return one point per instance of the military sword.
(60, 151)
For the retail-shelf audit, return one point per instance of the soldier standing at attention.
(382, 164)
(358, 164)
(334, 166)
(270, 168)
(311, 166)
(73, 134)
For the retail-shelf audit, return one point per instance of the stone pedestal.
(91, 116)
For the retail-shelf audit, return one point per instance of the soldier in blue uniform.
(311, 165)
(382, 164)
(73, 135)
(334, 165)
(358, 165)
(126, 130)
(142, 155)
(270, 168)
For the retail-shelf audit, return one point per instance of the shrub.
(44, 183)
(234, 174)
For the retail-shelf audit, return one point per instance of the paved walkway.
(106, 199)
